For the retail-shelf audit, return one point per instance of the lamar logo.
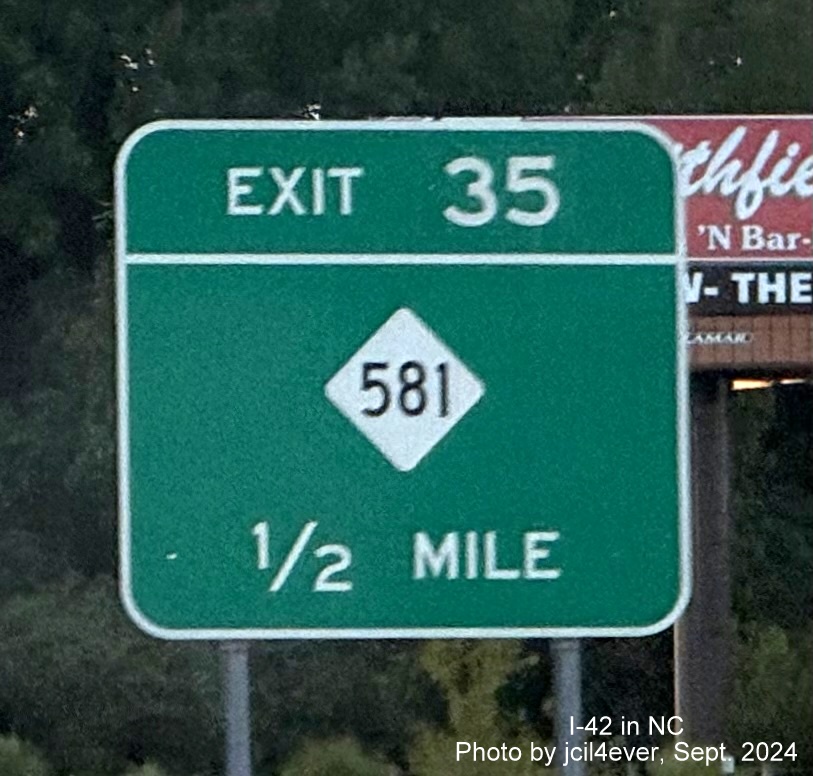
(708, 170)
(719, 338)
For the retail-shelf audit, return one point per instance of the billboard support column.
(702, 635)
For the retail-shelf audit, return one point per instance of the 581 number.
(410, 394)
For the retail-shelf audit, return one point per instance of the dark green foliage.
(774, 43)
(630, 679)
(707, 56)
(148, 769)
(772, 560)
(18, 758)
(92, 692)
(336, 757)
(772, 690)
(470, 675)
(57, 481)
(372, 691)
(772, 506)
(674, 767)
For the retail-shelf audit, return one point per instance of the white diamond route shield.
(404, 389)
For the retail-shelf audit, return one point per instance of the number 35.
(518, 179)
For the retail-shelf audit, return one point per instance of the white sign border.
(123, 260)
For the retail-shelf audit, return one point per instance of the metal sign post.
(567, 683)
(237, 707)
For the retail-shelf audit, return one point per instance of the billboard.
(748, 188)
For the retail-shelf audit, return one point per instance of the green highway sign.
(401, 378)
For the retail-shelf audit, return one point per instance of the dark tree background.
(76, 77)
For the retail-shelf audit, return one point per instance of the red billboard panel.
(748, 185)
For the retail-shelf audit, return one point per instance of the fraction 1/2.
(325, 581)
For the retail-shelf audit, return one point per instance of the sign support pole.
(237, 708)
(567, 680)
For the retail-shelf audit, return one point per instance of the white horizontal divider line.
(664, 259)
